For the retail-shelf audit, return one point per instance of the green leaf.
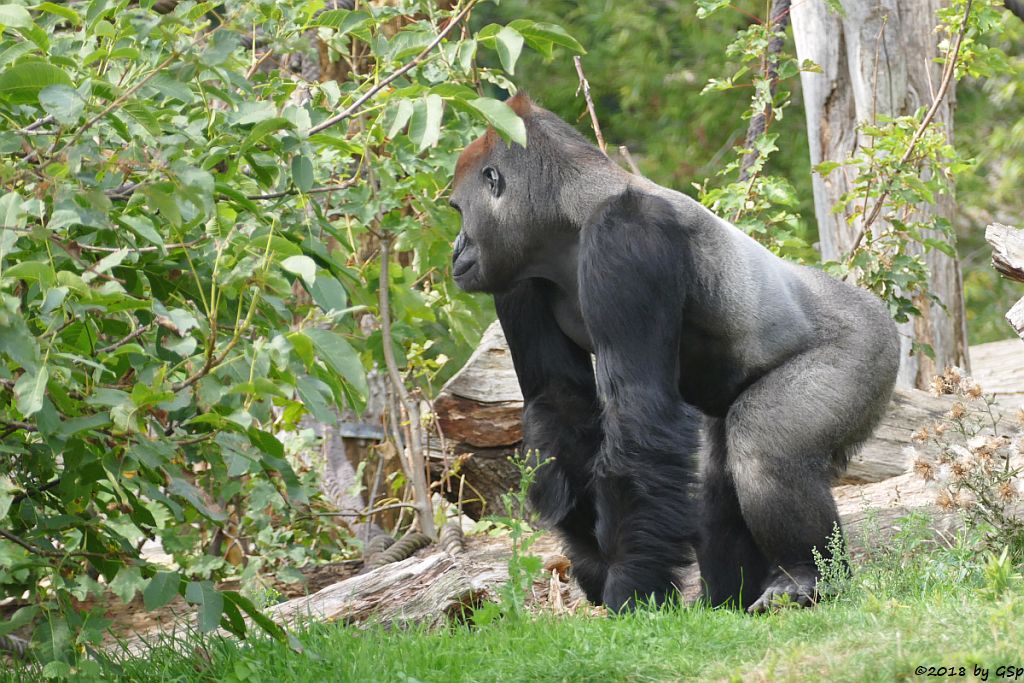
(127, 582)
(144, 228)
(15, 16)
(403, 112)
(209, 602)
(62, 102)
(30, 389)
(425, 128)
(61, 11)
(501, 116)
(509, 46)
(340, 357)
(535, 32)
(327, 292)
(21, 83)
(312, 392)
(302, 172)
(303, 266)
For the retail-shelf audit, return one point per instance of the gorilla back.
(696, 329)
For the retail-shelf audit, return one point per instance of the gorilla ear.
(521, 104)
(494, 180)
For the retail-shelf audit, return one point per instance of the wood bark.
(435, 587)
(480, 410)
(1008, 258)
(879, 59)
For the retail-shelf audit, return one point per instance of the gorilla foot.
(797, 586)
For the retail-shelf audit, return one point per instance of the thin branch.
(401, 71)
(414, 443)
(127, 340)
(316, 190)
(624, 151)
(947, 78)
(113, 105)
(212, 363)
(16, 425)
(585, 87)
(778, 21)
(140, 250)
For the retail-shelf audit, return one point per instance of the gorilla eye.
(494, 180)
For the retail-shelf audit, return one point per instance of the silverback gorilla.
(698, 331)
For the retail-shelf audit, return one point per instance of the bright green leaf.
(501, 116)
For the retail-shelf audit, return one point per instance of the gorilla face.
(484, 257)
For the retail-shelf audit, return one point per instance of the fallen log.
(436, 587)
(1008, 259)
(480, 408)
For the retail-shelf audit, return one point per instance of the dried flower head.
(960, 469)
(940, 428)
(974, 391)
(957, 411)
(919, 435)
(1006, 491)
(944, 500)
(924, 469)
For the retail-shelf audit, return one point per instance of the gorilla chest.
(570, 320)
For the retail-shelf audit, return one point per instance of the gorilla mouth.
(462, 266)
(462, 256)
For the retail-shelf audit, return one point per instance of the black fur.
(693, 325)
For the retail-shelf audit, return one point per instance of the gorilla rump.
(697, 330)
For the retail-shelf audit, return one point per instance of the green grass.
(916, 605)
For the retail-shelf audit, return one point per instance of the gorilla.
(645, 332)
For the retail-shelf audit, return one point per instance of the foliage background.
(190, 265)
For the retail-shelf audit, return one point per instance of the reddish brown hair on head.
(522, 105)
(474, 152)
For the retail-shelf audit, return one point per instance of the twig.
(15, 425)
(778, 21)
(211, 362)
(947, 78)
(140, 250)
(414, 443)
(585, 87)
(316, 190)
(624, 151)
(113, 105)
(401, 71)
(127, 340)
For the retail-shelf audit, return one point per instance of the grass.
(915, 604)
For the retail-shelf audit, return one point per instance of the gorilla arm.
(632, 298)
(561, 422)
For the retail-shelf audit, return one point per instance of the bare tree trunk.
(878, 60)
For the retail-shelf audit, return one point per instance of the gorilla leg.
(732, 567)
(787, 437)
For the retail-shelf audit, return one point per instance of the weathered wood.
(999, 368)
(1008, 258)
(1015, 316)
(1007, 250)
(878, 58)
(482, 406)
(435, 587)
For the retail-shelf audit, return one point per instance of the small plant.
(999, 573)
(523, 568)
(833, 565)
(979, 468)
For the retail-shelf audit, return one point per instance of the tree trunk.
(879, 60)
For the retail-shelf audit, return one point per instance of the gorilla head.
(513, 200)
